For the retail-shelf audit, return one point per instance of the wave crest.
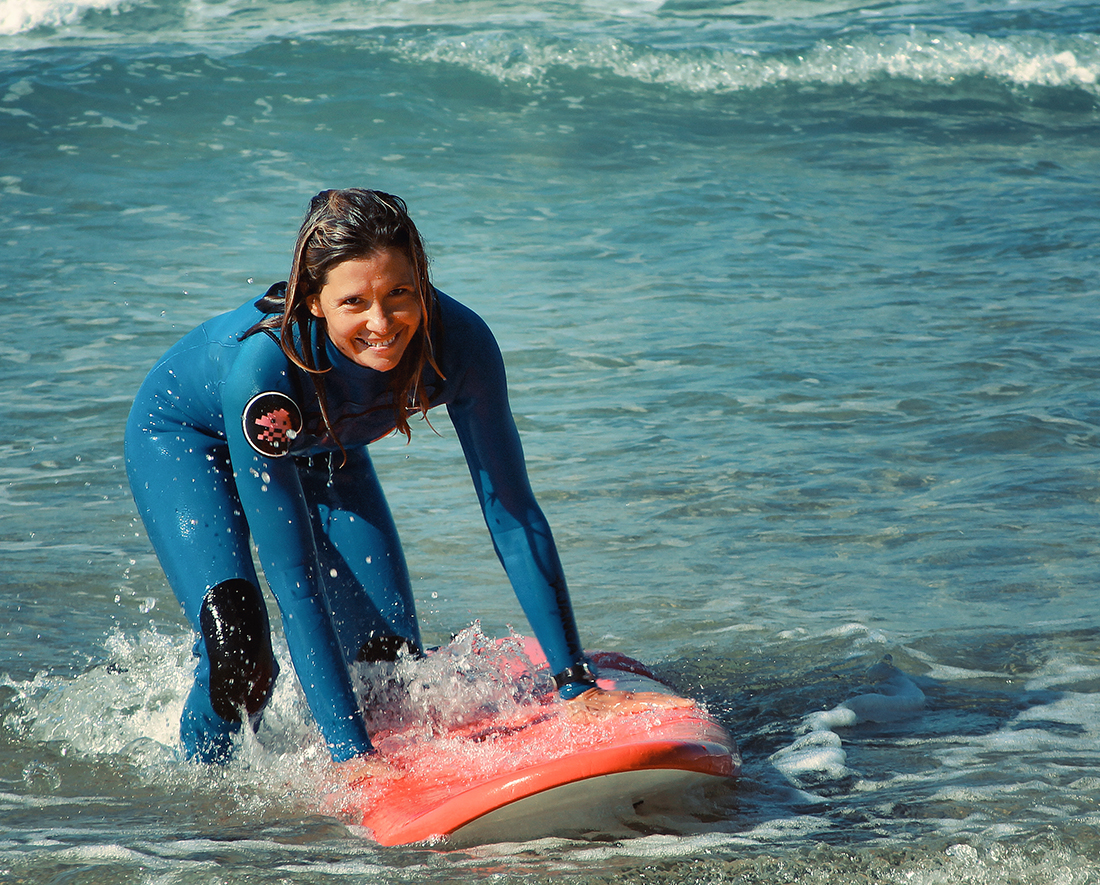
(1019, 60)
(21, 16)
(534, 51)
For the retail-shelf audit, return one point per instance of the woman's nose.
(378, 319)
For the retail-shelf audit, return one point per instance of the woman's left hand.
(358, 770)
(596, 703)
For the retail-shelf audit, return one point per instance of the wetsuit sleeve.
(270, 491)
(521, 535)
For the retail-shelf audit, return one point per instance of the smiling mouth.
(373, 344)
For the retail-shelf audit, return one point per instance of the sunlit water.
(799, 306)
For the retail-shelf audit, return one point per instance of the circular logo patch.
(271, 422)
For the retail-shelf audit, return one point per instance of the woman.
(257, 422)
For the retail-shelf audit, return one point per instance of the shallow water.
(798, 302)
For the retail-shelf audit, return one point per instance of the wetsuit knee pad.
(237, 636)
(385, 647)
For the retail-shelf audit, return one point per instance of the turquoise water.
(799, 306)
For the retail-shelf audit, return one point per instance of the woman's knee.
(237, 638)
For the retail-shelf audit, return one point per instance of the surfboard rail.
(701, 758)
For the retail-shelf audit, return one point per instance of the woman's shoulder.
(226, 347)
(230, 327)
(209, 340)
(466, 351)
(459, 324)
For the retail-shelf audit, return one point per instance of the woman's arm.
(274, 505)
(520, 532)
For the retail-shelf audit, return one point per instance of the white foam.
(1062, 670)
(941, 58)
(898, 698)
(20, 16)
(821, 750)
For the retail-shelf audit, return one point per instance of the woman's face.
(370, 308)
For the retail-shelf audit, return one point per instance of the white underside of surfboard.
(619, 804)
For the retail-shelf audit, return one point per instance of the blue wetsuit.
(226, 438)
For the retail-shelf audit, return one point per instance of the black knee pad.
(237, 635)
(384, 647)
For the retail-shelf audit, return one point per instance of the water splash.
(133, 699)
(135, 694)
(472, 677)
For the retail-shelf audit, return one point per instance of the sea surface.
(800, 303)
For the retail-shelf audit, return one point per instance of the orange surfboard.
(538, 771)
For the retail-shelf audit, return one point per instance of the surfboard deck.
(540, 771)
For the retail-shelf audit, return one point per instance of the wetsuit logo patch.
(271, 422)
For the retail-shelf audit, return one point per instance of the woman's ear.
(313, 302)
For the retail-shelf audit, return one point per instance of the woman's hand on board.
(361, 769)
(598, 703)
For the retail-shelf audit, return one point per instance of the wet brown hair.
(344, 225)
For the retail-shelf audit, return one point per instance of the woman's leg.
(184, 490)
(366, 578)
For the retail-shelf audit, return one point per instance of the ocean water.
(799, 301)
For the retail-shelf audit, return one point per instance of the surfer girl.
(256, 425)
